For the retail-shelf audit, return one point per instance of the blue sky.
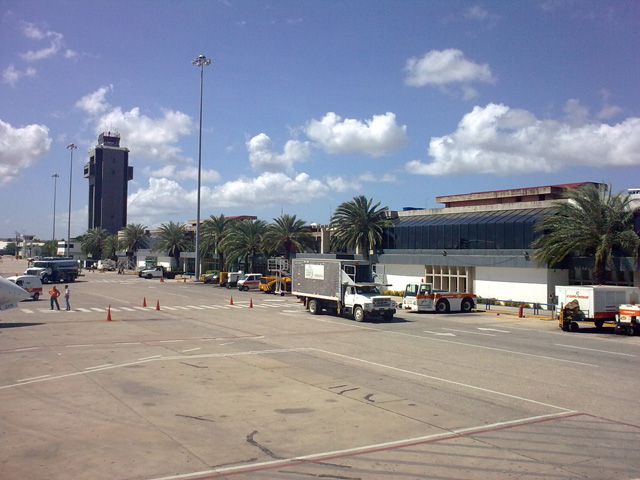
(310, 103)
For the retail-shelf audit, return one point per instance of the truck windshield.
(367, 289)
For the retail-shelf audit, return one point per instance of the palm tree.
(358, 224)
(111, 247)
(134, 237)
(212, 234)
(244, 242)
(172, 238)
(93, 242)
(50, 248)
(289, 234)
(594, 223)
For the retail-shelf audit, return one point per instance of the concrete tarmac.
(204, 389)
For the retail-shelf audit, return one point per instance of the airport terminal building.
(481, 243)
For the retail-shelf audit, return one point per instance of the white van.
(249, 281)
(30, 283)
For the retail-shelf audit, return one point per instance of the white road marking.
(196, 307)
(594, 350)
(33, 378)
(129, 343)
(441, 334)
(170, 341)
(443, 380)
(114, 309)
(81, 345)
(99, 366)
(316, 457)
(492, 348)
(169, 308)
(467, 331)
(85, 310)
(25, 349)
(228, 343)
(149, 358)
(191, 350)
(493, 330)
(96, 309)
(140, 308)
(26, 310)
(127, 309)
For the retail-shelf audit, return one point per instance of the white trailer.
(340, 287)
(421, 297)
(598, 304)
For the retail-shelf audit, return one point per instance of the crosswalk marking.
(272, 303)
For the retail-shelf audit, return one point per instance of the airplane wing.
(11, 294)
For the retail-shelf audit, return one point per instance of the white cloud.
(503, 141)
(340, 184)
(187, 173)
(165, 197)
(95, 103)
(263, 159)
(576, 114)
(608, 111)
(442, 68)
(268, 189)
(21, 148)
(153, 138)
(11, 76)
(31, 31)
(371, 178)
(375, 137)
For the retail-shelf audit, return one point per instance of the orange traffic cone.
(158, 305)
(231, 301)
(144, 301)
(109, 314)
(161, 279)
(184, 279)
(251, 303)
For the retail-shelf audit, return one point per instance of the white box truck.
(421, 297)
(341, 287)
(597, 304)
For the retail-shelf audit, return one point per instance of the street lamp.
(55, 177)
(201, 62)
(71, 147)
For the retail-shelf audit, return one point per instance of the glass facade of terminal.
(486, 230)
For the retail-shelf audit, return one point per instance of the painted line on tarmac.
(466, 331)
(368, 449)
(493, 348)
(443, 380)
(594, 350)
(41, 377)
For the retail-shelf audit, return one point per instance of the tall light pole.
(71, 147)
(55, 185)
(201, 62)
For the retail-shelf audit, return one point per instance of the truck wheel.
(245, 288)
(358, 314)
(36, 296)
(314, 307)
(388, 316)
(599, 324)
(466, 305)
(45, 279)
(574, 327)
(442, 306)
(630, 331)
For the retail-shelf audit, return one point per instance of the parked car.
(156, 272)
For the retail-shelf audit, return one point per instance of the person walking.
(54, 293)
(66, 297)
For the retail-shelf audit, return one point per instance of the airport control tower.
(108, 172)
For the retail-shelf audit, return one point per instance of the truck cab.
(364, 300)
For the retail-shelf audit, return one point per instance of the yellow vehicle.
(268, 284)
(224, 278)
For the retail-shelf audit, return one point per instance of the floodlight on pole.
(200, 62)
(71, 147)
(55, 177)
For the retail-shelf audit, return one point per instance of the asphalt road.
(200, 388)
